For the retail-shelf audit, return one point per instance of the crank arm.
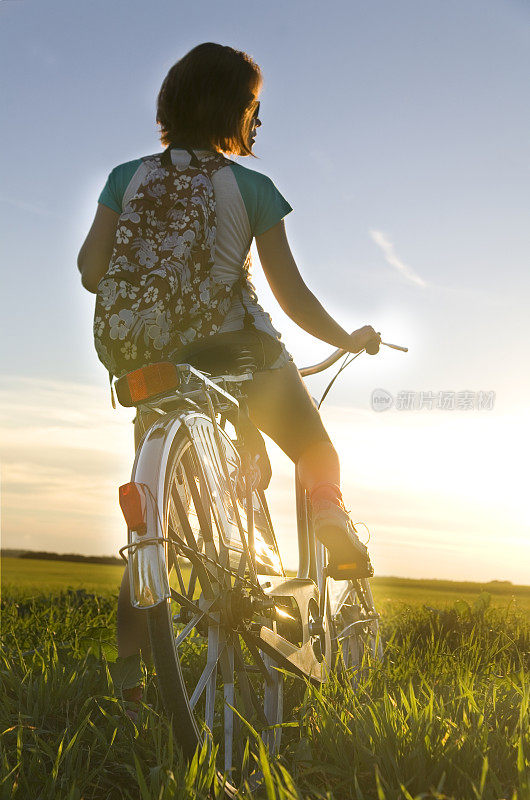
(300, 660)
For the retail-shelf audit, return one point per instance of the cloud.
(391, 257)
(32, 208)
(64, 453)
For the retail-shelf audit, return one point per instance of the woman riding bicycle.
(209, 103)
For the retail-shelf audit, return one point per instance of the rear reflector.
(133, 505)
(147, 382)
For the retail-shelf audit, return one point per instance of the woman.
(209, 101)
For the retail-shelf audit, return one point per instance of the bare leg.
(319, 465)
(280, 405)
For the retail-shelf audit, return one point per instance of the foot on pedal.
(348, 556)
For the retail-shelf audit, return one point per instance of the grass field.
(445, 716)
(28, 576)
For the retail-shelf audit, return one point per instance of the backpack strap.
(240, 284)
(248, 319)
(112, 398)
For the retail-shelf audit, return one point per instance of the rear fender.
(147, 563)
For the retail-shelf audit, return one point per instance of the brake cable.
(348, 358)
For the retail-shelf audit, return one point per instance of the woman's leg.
(132, 633)
(280, 405)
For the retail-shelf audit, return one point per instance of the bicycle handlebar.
(334, 357)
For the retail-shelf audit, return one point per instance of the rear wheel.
(210, 669)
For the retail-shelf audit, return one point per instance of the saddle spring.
(245, 361)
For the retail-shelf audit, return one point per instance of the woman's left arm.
(94, 256)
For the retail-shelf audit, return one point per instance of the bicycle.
(227, 625)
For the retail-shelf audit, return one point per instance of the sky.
(399, 134)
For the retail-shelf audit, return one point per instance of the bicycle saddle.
(230, 353)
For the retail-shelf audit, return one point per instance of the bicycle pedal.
(348, 571)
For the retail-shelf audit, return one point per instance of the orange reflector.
(149, 381)
(133, 505)
(347, 566)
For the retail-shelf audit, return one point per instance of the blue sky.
(399, 134)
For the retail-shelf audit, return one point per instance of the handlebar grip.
(372, 347)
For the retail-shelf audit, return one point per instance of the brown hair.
(209, 98)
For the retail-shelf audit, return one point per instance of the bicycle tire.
(190, 496)
(357, 635)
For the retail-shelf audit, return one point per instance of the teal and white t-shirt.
(247, 204)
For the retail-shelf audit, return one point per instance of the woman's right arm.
(296, 299)
(94, 256)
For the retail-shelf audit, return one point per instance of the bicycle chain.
(253, 586)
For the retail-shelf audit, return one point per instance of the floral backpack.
(157, 294)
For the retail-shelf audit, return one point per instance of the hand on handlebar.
(365, 338)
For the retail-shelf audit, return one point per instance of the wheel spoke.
(250, 697)
(227, 668)
(198, 501)
(192, 545)
(183, 601)
(178, 570)
(217, 648)
(211, 485)
(248, 638)
(205, 509)
(187, 628)
(192, 582)
(242, 565)
(206, 676)
(192, 624)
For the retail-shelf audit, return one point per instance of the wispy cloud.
(392, 258)
(32, 208)
(64, 453)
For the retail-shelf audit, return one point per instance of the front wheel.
(356, 642)
(356, 629)
(210, 671)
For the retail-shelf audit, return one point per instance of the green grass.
(443, 593)
(445, 716)
(30, 576)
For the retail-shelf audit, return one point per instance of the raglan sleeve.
(271, 207)
(112, 193)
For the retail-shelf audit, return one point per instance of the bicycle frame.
(149, 579)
